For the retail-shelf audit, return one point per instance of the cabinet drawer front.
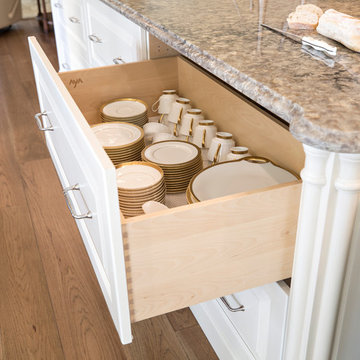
(112, 36)
(262, 323)
(79, 160)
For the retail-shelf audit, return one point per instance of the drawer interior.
(193, 253)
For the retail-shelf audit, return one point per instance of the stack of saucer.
(133, 111)
(121, 141)
(179, 160)
(139, 182)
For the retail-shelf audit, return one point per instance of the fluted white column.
(347, 187)
(314, 176)
(328, 209)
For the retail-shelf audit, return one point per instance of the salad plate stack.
(133, 111)
(122, 142)
(139, 182)
(180, 161)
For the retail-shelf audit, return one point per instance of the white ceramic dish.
(171, 152)
(124, 108)
(116, 134)
(136, 176)
(235, 177)
(153, 206)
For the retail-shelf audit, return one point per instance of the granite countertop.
(318, 96)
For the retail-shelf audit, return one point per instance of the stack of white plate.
(133, 111)
(232, 177)
(139, 182)
(179, 160)
(121, 141)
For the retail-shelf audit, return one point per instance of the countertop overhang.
(317, 95)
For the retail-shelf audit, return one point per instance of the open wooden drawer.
(153, 264)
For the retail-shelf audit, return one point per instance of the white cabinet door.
(112, 38)
(70, 28)
(88, 178)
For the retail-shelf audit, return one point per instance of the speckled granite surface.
(318, 96)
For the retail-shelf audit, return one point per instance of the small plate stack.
(122, 141)
(139, 182)
(180, 161)
(133, 111)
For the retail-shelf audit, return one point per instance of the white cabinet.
(112, 38)
(246, 325)
(153, 264)
(89, 33)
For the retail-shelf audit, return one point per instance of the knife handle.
(319, 45)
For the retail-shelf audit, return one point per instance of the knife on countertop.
(306, 40)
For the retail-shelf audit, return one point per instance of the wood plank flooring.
(51, 305)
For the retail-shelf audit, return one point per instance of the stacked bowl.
(139, 182)
(133, 111)
(180, 161)
(122, 141)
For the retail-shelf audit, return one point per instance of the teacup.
(178, 110)
(237, 152)
(164, 102)
(220, 146)
(204, 133)
(190, 121)
(162, 137)
(152, 128)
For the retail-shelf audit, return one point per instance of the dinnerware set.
(122, 141)
(139, 182)
(180, 161)
(133, 111)
(251, 173)
(187, 123)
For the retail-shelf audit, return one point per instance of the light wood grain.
(144, 80)
(250, 126)
(199, 252)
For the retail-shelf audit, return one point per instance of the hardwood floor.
(51, 305)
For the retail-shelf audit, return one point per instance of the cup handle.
(154, 104)
(203, 139)
(191, 127)
(216, 154)
(175, 129)
(161, 117)
(179, 118)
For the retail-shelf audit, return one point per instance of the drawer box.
(157, 263)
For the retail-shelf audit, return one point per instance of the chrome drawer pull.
(66, 191)
(95, 38)
(74, 20)
(38, 118)
(58, 5)
(118, 60)
(66, 66)
(230, 308)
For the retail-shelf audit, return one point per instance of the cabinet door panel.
(79, 159)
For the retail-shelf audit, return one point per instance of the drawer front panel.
(262, 323)
(79, 159)
(113, 37)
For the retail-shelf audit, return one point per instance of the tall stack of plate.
(180, 161)
(133, 111)
(232, 177)
(139, 182)
(122, 141)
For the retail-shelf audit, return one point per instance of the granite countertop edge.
(302, 129)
